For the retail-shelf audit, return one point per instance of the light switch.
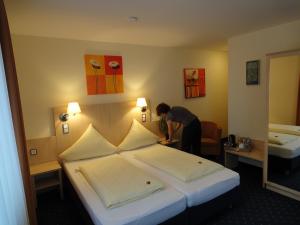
(65, 128)
(143, 117)
(33, 151)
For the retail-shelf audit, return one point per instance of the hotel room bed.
(179, 202)
(284, 156)
(214, 191)
(154, 209)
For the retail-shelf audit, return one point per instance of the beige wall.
(283, 89)
(247, 105)
(51, 73)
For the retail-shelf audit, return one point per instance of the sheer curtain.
(12, 198)
(298, 105)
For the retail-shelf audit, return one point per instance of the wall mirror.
(284, 123)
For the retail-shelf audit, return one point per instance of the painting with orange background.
(104, 74)
(194, 82)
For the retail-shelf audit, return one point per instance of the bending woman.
(191, 133)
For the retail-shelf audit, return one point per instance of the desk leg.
(231, 161)
(265, 174)
(61, 190)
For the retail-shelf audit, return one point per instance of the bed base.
(278, 164)
(72, 194)
(201, 213)
(191, 216)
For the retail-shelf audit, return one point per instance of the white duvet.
(118, 182)
(184, 166)
(281, 139)
(197, 191)
(287, 150)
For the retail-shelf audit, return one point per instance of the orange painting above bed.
(104, 74)
(194, 82)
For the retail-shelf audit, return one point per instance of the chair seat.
(208, 141)
(210, 138)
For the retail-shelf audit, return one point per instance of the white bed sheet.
(288, 151)
(153, 209)
(196, 192)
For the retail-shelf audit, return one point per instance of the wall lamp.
(141, 103)
(73, 109)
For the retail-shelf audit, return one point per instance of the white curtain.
(12, 198)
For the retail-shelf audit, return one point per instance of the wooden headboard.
(112, 120)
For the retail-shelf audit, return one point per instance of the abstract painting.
(104, 74)
(194, 82)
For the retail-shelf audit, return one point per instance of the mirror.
(284, 120)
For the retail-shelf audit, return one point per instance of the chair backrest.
(210, 130)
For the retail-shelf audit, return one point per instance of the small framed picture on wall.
(194, 82)
(252, 72)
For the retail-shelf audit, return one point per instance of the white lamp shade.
(141, 102)
(73, 108)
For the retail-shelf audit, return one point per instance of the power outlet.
(33, 151)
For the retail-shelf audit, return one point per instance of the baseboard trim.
(283, 190)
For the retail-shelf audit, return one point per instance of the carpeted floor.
(257, 206)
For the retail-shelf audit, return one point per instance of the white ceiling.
(192, 23)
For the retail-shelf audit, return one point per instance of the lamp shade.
(141, 102)
(73, 108)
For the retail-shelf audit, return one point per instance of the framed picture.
(252, 72)
(104, 74)
(194, 82)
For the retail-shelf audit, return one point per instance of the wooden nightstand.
(47, 175)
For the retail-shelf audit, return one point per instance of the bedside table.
(46, 175)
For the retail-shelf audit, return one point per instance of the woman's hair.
(162, 108)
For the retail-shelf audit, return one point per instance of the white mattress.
(283, 128)
(288, 151)
(153, 209)
(196, 192)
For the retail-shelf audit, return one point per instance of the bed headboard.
(112, 120)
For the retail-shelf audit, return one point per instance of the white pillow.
(91, 144)
(137, 137)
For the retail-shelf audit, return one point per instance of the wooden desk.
(46, 175)
(232, 156)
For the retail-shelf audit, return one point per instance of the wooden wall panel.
(46, 150)
(112, 120)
